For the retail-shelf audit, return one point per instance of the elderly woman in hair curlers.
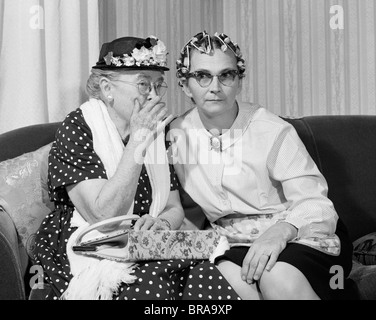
(256, 182)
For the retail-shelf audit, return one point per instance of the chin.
(215, 106)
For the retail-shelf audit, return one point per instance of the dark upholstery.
(342, 146)
(27, 139)
(12, 285)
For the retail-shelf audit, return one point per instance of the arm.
(310, 212)
(98, 199)
(304, 187)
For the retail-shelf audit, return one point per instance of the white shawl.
(100, 279)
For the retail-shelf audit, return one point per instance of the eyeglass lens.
(146, 87)
(204, 79)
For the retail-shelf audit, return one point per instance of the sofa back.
(27, 139)
(344, 149)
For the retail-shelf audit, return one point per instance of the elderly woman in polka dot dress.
(125, 89)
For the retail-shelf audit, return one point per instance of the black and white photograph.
(189, 154)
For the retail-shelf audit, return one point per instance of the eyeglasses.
(145, 87)
(204, 79)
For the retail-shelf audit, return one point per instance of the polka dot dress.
(72, 159)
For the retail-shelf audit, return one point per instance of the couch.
(342, 146)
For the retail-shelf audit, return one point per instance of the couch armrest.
(11, 278)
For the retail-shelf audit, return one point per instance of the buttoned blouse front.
(263, 169)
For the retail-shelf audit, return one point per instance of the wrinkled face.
(217, 98)
(125, 89)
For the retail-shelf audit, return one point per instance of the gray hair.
(92, 85)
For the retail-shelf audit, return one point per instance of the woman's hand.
(147, 120)
(147, 222)
(264, 252)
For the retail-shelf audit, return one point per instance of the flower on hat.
(160, 52)
(150, 52)
(128, 61)
(142, 55)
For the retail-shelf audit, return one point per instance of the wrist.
(138, 151)
(289, 230)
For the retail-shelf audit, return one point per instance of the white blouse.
(252, 176)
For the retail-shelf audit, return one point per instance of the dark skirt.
(321, 270)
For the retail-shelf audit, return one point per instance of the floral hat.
(134, 54)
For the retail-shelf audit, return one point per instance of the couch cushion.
(365, 279)
(24, 195)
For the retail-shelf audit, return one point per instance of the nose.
(153, 92)
(215, 85)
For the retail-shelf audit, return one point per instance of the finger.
(272, 261)
(150, 115)
(150, 104)
(262, 261)
(251, 270)
(157, 109)
(139, 223)
(246, 265)
(162, 124)
(157, 226)
(148, 224)
(161, 114)
(137, 106)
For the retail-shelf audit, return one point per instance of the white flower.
(160, 52)
(142, 54)
(128, 61)
(116, 61)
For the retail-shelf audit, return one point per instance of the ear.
(186, 89)
(106, 86)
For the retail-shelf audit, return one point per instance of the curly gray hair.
(93, 88)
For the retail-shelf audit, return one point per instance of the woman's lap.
(159, 280)
(320, 269)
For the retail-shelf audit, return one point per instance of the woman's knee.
(285, 282)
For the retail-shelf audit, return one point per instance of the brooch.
(215, 144)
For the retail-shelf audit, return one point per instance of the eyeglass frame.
(194, 76)
(150, 86)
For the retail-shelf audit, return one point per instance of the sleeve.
(72, 158)
(304, 187)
